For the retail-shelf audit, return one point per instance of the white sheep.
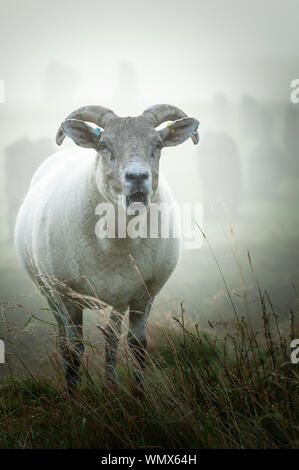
(55, 232)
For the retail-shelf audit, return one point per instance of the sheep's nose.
(137, 176)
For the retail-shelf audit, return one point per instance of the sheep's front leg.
(112, 333)
(70, 320)
(139, 312)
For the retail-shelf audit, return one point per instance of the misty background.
(229, 64)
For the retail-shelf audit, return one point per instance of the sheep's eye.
(105, 151)
(157, 151)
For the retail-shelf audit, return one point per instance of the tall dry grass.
(232, 386)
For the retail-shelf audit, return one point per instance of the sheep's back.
(50, 211)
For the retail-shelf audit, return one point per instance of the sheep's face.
(130, 149)
(129, 152)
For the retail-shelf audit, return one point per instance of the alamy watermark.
(295, 352)
(159, 220)
(2, 352)
(294, 96)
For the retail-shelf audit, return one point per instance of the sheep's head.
(129, 148)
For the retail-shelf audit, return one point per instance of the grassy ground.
(230, 387)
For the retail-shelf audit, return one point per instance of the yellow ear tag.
(171, 129)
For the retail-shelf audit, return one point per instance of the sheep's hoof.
(72, 384)
(109, 388)
(72, 389)
(137, 389)
(139, 393)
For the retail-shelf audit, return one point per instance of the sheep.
(55, 234)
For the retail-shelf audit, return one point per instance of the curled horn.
(96, 114)
(159, 113)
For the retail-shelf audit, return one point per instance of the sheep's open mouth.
(136, 200)
(136, 197)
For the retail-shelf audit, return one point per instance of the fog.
(229, 64)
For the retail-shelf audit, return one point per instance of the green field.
(228, 387)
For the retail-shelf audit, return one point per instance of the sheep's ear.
(178, 131)
(81, 133)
